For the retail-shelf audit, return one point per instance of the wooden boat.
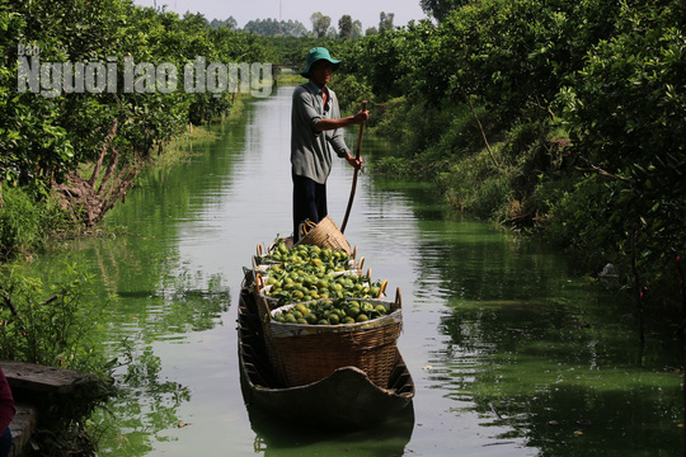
(345, 399)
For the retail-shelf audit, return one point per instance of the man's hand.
(355, 163)
(361, 117)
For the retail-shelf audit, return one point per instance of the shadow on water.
(278, 437)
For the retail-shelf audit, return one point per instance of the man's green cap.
(316, 54)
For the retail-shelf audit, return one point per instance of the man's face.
(321, 72)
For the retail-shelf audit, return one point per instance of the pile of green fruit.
(309, 256)
(306, 273)
(330, 312)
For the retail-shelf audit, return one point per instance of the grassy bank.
(530, 178)
(29, 223)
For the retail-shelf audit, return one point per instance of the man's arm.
(332, 124)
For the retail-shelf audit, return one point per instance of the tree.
(197, 19)
(272, 27)
(295, 28)
(440, 9)
(385, 21)
(265, 27)
(320, 24)
(345, 26)
(357, 29)
(230, 23)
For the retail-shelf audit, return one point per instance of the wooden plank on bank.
(38, 378)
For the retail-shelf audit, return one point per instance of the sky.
(365, 11)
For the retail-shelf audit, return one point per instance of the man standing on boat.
(315, 128)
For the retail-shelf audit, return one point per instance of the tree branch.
(105, 146)
(481, 128)
(8, 302)
(110, 170)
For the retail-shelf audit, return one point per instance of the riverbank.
(29, 225)
(59, 321)
(530, 179)
(47, 398)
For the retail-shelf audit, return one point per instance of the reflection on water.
(511, 355)
(278, 438)
(146, 405)
(542, 357)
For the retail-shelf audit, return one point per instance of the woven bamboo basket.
(302, 354)
(325, 234)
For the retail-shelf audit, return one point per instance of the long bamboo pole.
(354, 185)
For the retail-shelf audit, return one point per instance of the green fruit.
(302, 308)
(339, 312)
(352, 311)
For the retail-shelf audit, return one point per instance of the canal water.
(512, 355)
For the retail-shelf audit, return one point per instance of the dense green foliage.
(26, 225)
(57, 127)
(44, 136)
(57, 325)
(50, 324)
(563, 118)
